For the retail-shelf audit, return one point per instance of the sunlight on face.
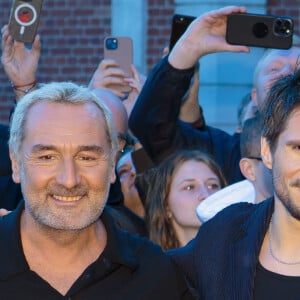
(66, 165)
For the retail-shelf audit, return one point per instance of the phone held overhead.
(120, 49)
(24, 20)
(258, 30)
(179, 25)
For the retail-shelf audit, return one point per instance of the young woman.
(177, 186)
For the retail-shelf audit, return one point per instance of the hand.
(4, 212)
(205, 35)
(20, 63)
(107, 75)
(136, 83)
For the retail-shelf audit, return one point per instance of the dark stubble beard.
(282, 192)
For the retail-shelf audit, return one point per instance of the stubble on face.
(282, 190)
(38, 204)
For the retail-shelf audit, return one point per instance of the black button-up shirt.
(130, 267)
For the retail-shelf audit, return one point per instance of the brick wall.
(159, 23)
(72, 38)
(72, 43)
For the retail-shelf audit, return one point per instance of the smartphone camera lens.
(260, 30)
(112, 44)
(25, 14)
(283, 27)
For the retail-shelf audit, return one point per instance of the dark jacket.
(155, 122)
(221, 261)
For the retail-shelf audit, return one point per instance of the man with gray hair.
(61, 241)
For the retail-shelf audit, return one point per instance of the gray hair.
(58, 92)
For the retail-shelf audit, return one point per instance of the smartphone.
(120, 49)
(256, 30)
(24, 20)
(179, 25)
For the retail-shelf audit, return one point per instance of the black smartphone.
(179, 25)
(24, 19)
(258, 30)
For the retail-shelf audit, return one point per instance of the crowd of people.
(100, 189)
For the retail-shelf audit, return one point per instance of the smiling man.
(61, 241)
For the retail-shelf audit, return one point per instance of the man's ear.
(266, 154)
(247, 169)
(15, 168)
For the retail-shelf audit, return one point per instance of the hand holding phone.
(256, 30)
(24, 20)
(120, 49)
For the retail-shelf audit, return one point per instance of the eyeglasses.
(125, 142)
(255, 157)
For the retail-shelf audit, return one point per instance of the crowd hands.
(188, 163)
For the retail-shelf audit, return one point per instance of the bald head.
(116, 106)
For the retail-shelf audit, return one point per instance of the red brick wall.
(72, 43)
(159, 24)
(72, 38)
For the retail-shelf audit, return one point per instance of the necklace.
(272, 253)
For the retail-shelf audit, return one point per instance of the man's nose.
(68, 174)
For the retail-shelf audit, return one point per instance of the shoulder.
(231, 217)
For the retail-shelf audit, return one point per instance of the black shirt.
(270, 285)
(130, 267)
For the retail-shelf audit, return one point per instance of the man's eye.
(296, 147)
(87, 158)
(46, 157)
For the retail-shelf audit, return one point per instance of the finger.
(108, 63)
(135, 72)
(36, 46)
(166, 51)
(118, 93)
(4, 212)
(227, 10)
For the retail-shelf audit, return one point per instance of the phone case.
(120, 51)
(266, 31)
(24, 20)
(179, 25)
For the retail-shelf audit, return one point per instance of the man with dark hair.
(259, 243)
(251, 164)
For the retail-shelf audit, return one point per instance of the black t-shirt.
(270, 285)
